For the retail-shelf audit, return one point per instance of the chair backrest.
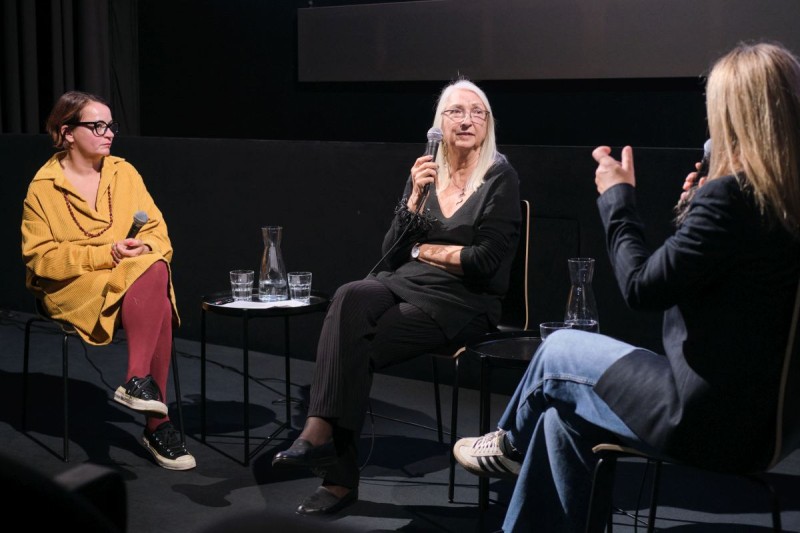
(787, 437)
(515, 304)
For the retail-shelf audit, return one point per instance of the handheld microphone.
(139, 220)
(434, 138)
(703, 170)
(682, 205)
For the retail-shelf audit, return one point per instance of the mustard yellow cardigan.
(74, 274)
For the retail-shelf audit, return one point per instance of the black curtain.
(60, 45)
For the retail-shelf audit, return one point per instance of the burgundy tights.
(147, 320)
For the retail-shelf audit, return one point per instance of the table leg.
(287, 353)
(246, 388)
(203, 376)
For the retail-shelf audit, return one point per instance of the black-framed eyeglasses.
(476, 114)
(99, 127)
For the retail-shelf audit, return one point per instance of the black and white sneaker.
(484, 456)
(142, 394)
(166, 446)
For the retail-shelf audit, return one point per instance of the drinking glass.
(546, 328)
(242, 284)
(300, 286)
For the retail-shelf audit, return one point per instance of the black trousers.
(367, 328)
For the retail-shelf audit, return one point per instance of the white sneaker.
(483, 456)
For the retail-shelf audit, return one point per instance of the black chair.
(785, 440)
(68, 331)
(86, 497)
(515, 318)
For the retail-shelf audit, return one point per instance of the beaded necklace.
(74, 218)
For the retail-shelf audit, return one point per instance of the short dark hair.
(67, 110)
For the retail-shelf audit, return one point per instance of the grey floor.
(404, 478)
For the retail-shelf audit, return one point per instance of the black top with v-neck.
(487, 226)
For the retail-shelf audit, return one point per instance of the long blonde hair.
(753, 107)
(488, 153)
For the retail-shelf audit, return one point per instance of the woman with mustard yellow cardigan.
(86, 271)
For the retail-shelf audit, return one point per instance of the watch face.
(415, 251)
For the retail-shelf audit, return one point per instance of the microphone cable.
(400, 238)
(434, 137)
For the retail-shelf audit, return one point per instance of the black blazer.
(726, 281)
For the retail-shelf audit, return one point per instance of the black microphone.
(139, 220)
(434, 138)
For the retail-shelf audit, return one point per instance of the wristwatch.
(415, 251)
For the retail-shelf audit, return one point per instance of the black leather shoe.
(302, 453)
(324, 501)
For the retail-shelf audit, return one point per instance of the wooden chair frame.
(510, 322)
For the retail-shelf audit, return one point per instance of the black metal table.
(507, 349)
(216, 304)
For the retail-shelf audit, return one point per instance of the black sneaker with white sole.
(142, 394)
(167, 448)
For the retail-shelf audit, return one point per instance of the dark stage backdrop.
(558, 73)
(229, 69)
(335, 201)
(534, 39)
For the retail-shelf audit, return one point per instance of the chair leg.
(775, 504)
(65, 374)
(651, 520)
(451, 484)
(25, 359)
(177, 380)
(65, 382)
(437, 400)
(599, 512)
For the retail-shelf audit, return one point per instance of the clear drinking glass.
(242, 284)
(546, 328)
(300, 286)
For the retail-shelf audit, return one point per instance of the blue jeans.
(554, 419)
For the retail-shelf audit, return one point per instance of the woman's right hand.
(689, 183)
(422, 173)
(127, 248)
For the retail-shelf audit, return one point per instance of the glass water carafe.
(272, 285)
(581, 306)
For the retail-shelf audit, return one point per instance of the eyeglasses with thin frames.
(99, 127)
(457, 114)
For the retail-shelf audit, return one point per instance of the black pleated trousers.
(367, 328)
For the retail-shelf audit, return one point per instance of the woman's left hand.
(127, 248)
(690, 183)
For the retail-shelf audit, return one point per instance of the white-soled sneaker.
(483, 456)
(167, 448)
(142, 394)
